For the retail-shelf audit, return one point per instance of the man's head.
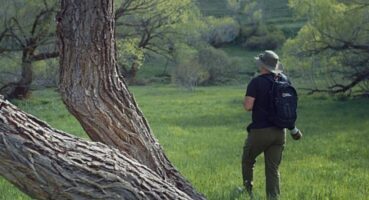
(268, 62)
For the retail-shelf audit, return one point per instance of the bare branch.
(20, 28)
(38, 17)
(127, 7)
(3, 34)
(44, 56)
(2, 50)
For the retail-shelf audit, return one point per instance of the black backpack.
(283, 102)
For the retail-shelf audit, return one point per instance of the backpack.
(283, 102)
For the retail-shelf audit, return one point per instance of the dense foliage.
(333, 45)
(206, 66)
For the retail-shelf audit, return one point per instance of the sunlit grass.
(203, 133)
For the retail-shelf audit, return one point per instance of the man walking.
(264, 136)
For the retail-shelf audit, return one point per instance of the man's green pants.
(270, 141)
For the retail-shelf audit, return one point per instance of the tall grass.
(203, 133)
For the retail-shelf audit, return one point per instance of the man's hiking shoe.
(248, 187)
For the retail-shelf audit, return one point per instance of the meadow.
(203, 132)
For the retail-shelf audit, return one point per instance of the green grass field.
(203, 133)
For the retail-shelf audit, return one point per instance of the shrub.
(264, 38)
(208, 66)
(217, 63)
(220, 31)
(189, 74)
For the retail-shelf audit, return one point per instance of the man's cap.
(270, 60)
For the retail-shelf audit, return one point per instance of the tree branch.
(19, 40)
(38, 18)
(127, 7)
(44, 56)
(22, 32)
(3, 33)
(340, 88)
(49, 164)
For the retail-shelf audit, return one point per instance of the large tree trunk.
(95, 93)
(21, 88)
(48, 164)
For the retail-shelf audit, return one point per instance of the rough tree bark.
(49, 164)
(96, 94)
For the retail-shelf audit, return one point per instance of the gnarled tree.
(97, 96)
(49, 164)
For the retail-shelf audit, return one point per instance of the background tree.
(333, 47)
(149, 27)
(28, 28)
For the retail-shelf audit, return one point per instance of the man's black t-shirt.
(259, 88)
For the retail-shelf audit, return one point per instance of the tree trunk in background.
(95, 93)
(24, 83)
(132, 73)
(21, 88)
(129, 73)
(48, 164)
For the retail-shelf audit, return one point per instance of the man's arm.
(248, 103)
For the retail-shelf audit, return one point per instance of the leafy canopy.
(333, 43)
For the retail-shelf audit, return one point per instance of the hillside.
(275, 12)
(278, 9)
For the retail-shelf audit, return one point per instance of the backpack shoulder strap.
(279, 77)
(284, 78)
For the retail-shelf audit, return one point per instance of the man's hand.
(296, 134)
(248, 103)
